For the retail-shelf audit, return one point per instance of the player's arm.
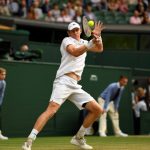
(76, 51)
(97, 45)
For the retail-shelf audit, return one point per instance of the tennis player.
(65, 86)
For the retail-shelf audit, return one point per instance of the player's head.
(2, 73)
(73, 25)
(123, 80)
(74, 30)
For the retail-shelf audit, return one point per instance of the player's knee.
(97, 111)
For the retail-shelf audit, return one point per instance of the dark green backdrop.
(28, 90)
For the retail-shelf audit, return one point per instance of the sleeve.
(67, 42)
(2, 92)
(107, 97)
(143, 107)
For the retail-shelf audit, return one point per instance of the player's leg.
(40, 123)
(102, 120)
(114, 115)
(84, 100)
(94, 110)
(59, 94)
(2, 137)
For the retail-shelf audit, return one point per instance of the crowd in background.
(67, 11)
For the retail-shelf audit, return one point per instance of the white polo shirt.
(70, 63)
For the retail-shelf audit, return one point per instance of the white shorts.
(66, 87)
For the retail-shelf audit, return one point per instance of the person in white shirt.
(65, 86)
(138, 106)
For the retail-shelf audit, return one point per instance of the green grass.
(99, 143)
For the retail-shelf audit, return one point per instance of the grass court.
(63, 143)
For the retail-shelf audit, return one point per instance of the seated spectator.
(37, 10)
(70, 9)
(139, 105)
(49, 17)
(14, 7)
(31, 13)
(4, 10)
(89, 13)
(99, 4)
(145, 18)
(23, 9)
(113, 5)
(24, 54)
(123, 6)
(135, 19)
(141, 8)
(55, 11)
(46, 7)
(64, 16)
(96, 4)
(78, 16)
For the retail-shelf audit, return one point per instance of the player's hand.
(97, 29)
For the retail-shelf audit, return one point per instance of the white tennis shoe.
(26, 146)
(81, 142)
(102, 134)
(122, 134)
(2, 137)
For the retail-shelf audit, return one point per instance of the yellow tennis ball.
(91, 23)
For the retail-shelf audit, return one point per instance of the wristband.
(90, 44)
(99, 39)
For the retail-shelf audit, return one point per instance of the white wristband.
(90, 44)
(99, 39)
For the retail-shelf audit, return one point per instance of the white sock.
(81, 132)
(33, 134)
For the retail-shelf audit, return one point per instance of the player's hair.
(123, 77)
(2, 70)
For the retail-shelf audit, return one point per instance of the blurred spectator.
(24, 54)
(23, 9)
(138, 106)
(49, 17)
(70, 9)
(113, 5)
(78, 6)
(55, 11)
(37, 10)
(132, 2)
(89, 13)
(135, 19)
(145, 18)
(96, 4)
(46, 7)
(14, 7)
(141, 8)
(64, 16)
(99, 4)
(31, 13)
(123, 6)
(4, 10)
(78, 16)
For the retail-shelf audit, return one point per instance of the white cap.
(73, 25)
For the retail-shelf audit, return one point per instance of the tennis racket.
(87, 30)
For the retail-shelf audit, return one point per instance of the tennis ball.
(91, 23)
